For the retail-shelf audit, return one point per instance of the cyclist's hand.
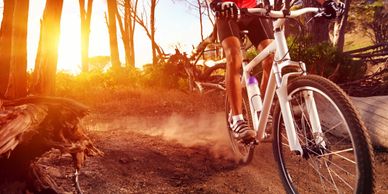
(228, 10)
(332, 9)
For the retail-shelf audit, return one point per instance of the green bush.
(323, 59)
(86, 86)
(165, 74)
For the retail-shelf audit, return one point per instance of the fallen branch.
(32, 126)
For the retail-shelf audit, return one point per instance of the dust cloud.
(206, 129)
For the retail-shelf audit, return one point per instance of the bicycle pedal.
(255, 142)
(250, 143)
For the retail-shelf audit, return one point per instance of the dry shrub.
(133, 93)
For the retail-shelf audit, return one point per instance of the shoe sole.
(247, 137)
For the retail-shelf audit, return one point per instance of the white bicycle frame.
(278, 82)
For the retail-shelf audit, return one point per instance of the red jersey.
(244, 3)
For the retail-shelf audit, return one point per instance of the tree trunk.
(152, 29)
(339, 28)
(380, 25)
(85, 32)
(114, 50)
(124, 37)
(5, 44)
(373, 112)
(125, 33)
(131, 30)
(200, 18)
(17, 82)
(43, 82)
(318, 28)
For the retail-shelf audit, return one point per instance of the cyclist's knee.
(233, 58)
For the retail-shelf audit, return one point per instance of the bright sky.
(176, 23)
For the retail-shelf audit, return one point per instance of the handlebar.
(279, 14)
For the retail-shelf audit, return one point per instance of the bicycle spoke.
(333, 164)
(343, 139)
(321, 176)
(335, 126)
(337, 154)
(340, 168)
(346, 183)
(331, 177)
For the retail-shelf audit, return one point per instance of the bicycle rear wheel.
(243, 152)
(343, 164)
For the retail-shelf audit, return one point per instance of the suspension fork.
(282, 54)
(312, 112)
(285, 105)
(314, 118)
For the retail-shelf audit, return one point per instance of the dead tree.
(127, 29)
(148, 24)
(17, 79)
(5, 44)
(152, 29)
(142, 21)
(200, 18)
(43, 81)
(86, 16)
(31, 127)
(111, 22)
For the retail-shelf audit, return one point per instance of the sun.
(69, 48)
(69, 51)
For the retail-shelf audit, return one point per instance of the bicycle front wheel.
(337, 160)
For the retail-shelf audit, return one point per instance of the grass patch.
(356, 40)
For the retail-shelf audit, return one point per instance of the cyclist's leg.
(266, 64)
(228, 31)
(232, 51)
(261, 35)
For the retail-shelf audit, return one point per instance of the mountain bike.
(319, 141)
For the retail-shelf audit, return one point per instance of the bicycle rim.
(333, 167)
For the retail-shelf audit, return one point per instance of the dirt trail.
(176, 154)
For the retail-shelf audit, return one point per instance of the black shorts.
(259, 29)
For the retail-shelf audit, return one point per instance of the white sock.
(236, 118)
